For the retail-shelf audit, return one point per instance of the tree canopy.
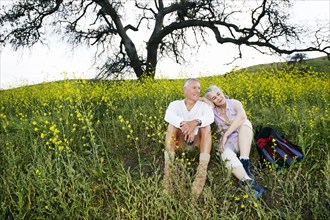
(168, 28)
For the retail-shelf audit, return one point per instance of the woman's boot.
(258, 190)
(246, 165)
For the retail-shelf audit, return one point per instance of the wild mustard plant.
(69, 150)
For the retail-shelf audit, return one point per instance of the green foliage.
(319, 64)
(83, 150)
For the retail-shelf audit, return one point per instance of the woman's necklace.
(222, 112)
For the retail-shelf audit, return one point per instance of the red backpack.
(275, 149)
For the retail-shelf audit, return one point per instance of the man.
(189, 122)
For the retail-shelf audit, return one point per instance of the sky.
(58, 61)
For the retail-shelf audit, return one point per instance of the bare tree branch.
(173, 27)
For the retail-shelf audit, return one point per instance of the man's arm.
(171, 116)
(207, 117)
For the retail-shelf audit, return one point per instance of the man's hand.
(190, 137)
(187, 128)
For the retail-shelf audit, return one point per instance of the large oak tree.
(167, 26)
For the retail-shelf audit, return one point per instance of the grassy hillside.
(94, 150)
(319, 64)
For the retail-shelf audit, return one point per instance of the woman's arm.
(238, 121)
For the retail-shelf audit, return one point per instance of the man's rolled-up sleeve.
(172, 117)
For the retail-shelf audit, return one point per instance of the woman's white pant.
(231, 150)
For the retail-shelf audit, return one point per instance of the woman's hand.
(222, 143)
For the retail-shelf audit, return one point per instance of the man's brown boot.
(200, 178)
(167, 182)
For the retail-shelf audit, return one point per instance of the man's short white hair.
(187, 81)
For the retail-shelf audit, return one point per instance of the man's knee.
(171, 128)
(173, 136)
(205, 131)
(205, 139)
(172, 131)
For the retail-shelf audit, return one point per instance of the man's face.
(192, 90)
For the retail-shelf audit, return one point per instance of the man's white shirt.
(177, 112)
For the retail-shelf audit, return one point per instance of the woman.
(235, 136)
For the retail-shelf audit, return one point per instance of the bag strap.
(299, 154)
(282, 153)
(269, 158)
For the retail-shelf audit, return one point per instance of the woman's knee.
(245, 130)
(230, 158)
(246, 126)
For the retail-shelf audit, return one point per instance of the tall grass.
(82, 150)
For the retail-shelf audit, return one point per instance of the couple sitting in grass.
(189, 122)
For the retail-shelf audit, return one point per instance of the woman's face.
(217, 97)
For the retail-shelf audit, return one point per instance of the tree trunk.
(151, 60)
(134, 58)
(153, 43)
